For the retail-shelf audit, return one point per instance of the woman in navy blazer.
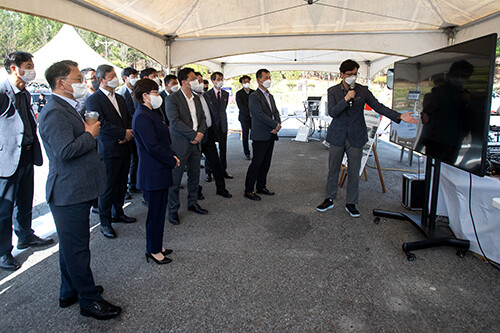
(156, 161)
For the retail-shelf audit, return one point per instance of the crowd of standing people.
(104, 144)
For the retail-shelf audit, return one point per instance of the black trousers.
(222, 154)
(212, 159)
(111, 202)
(72, 224)
(155, 220)
(259, 167)
(245, 130)
(16, 203)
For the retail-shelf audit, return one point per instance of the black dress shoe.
(208, 178)
(252, 196)
(34, 241)
(174, 218)
(69, 301)
(200, 193)
(167, 252)
(247, 157)
(265, 191)
(164, 261)
(128, 196)
(227, 176)
(197, 209)
(8, 262)
(100, 310)
(95, 210)
(224, 194)
(108, 232)
(123, 219)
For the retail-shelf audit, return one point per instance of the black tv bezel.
(494, 37)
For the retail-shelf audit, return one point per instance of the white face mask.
(267, 84)
(193, 84)
(79, 90)
(114, 83)
(132, 81)
(246, 85)
(155, 101)
(351, 79)
(199, 88)
(29, 75)
(219, 84)
(175, 88)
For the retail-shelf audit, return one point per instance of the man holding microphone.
(347, 133)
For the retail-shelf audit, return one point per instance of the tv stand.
(426, 221)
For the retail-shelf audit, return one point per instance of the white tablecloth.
(453, 201)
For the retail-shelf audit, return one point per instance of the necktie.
(218, 95)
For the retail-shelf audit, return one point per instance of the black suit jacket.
(265, 117)
(242, 102)
(113, 126)
(218, 110)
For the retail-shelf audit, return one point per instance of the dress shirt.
(218, 93)
(266, 95)
(192, 110)
(112, 98)
(206, 110)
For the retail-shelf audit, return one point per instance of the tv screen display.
(449, 90)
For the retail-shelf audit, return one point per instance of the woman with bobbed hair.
(156, 161)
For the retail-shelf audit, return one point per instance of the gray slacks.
(334, 163)
(192, 160)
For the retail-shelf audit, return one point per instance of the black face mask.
(96, 84)
(205, 89)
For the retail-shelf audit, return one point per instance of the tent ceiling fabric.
(197, 30)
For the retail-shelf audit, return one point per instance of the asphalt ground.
(275, 265)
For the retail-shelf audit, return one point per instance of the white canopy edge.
(237, 69)
(402, 44)
(183, 51)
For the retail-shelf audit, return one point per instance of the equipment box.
(413, 191)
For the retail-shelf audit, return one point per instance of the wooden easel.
(343, 175)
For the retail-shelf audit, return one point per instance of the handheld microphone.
(351, 88)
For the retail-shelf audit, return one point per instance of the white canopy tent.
(176, 33)
(66, 45)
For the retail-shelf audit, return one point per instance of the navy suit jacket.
(12, 130)
(218, 110)
(76, 171)
(265, 118)
(348, 122)
(113, 127)
(156, 158)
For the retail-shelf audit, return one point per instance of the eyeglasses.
(352, 74)
(79, 80)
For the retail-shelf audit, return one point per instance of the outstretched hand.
(408, 118)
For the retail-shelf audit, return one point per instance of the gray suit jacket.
(348, 122)
(11, 132)
(181, 124)
(265, 118)
(76, 171)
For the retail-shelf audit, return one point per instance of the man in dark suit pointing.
(347, 133)
(266, 124)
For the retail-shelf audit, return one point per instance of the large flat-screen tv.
(449, 90)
